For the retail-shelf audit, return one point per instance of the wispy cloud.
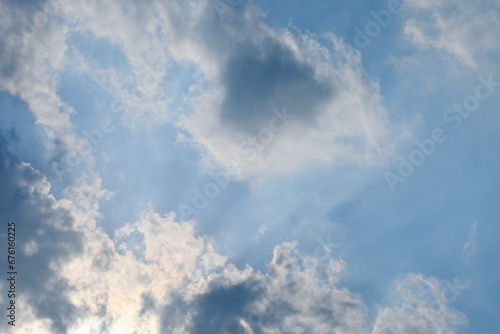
(471, 247)
(461, 28)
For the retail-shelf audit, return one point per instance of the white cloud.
(461, 28)
(33, 47)
(423, 309)
(35, 52)
(302, 296)
(345, 125)
(159, 275)
(137, 90)
(471, 247)
(349, 126)
(262, 229)
(30, 248)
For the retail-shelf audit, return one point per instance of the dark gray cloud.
(289, 299)
(175, 314)
(24, 201)
(261, 77)
(148, 303)
(218, 311)
(258, 71)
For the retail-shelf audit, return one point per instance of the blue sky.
(237, 166)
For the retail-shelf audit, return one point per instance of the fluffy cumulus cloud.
(159, 275)
(464, 29)
(423, 308)
(40, 219)
(278, 99)
(300, 295)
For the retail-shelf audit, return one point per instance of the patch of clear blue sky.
(98, 51)
(131, 163)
